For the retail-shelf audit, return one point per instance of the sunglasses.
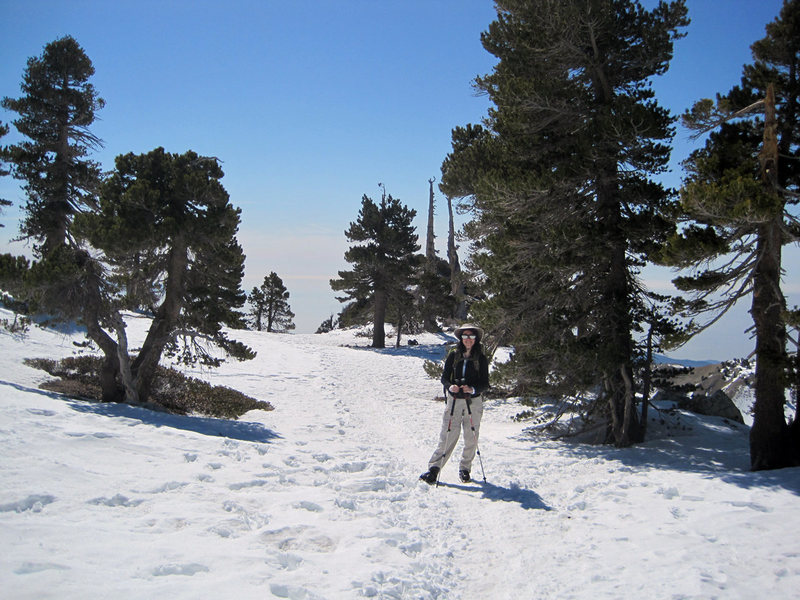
(468, 336)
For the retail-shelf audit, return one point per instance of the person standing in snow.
(466, 377)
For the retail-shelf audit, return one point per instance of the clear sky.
(310, 104)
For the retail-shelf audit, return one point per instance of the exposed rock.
(669, 395)
(716, 405)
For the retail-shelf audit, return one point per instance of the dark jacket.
(475, 378)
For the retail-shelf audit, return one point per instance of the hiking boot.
(463, 474)
(431, 476)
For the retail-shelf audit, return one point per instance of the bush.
(433, 369)
(81, 369)
(18, 327)
(180, 394)
(73, 388)
(172, 391)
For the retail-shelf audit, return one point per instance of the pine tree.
(173, 209)
(558, 179)
(327, 325)
(257, 302)
(55, 114)
(740, 202)
(270, 306)
(433, 295)
(382, 259)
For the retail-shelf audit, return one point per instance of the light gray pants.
(451, 429)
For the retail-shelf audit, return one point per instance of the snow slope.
(320, 497)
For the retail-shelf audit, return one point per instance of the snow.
(320, 498)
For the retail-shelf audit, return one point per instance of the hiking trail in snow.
(320, 498)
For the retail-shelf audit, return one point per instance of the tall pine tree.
(740, 202)
(55, 116)
(382, 259)
(559, 181)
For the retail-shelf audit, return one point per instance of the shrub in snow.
(172, 391)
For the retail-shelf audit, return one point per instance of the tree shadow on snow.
(527, 499)
(434, 352)
(244, 431)
(711, 447)
(236, 430)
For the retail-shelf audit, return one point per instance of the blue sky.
(310, 104)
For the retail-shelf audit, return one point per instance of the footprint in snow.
(309, 506)
(289, 591)
(27, 568)
(677, 513)
(346, 504)
(750, 505)
(247, 484)
(34, 503)
(229, 529)
(285, 560)
(669, 493)
(352, 467)
(298, 538)
(100, 435)
(117, 500)
(41, 412)
(178, 569)
(167, 487)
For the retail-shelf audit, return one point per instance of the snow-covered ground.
(320, 497)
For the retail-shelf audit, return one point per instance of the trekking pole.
(452, 408)
(449, 423)
(475, 435)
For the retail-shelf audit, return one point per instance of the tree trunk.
(769, 434)
(428, 313)
(400, 323)
(58, 206)
(456, 281)
(430, 247)
(769, 429)
(144, 366)
(625, 425)
(270, 315)
(647, 380)
(109, 369)
(378, 333)
(131, 394)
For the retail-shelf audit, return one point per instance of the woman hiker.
(466, 377)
